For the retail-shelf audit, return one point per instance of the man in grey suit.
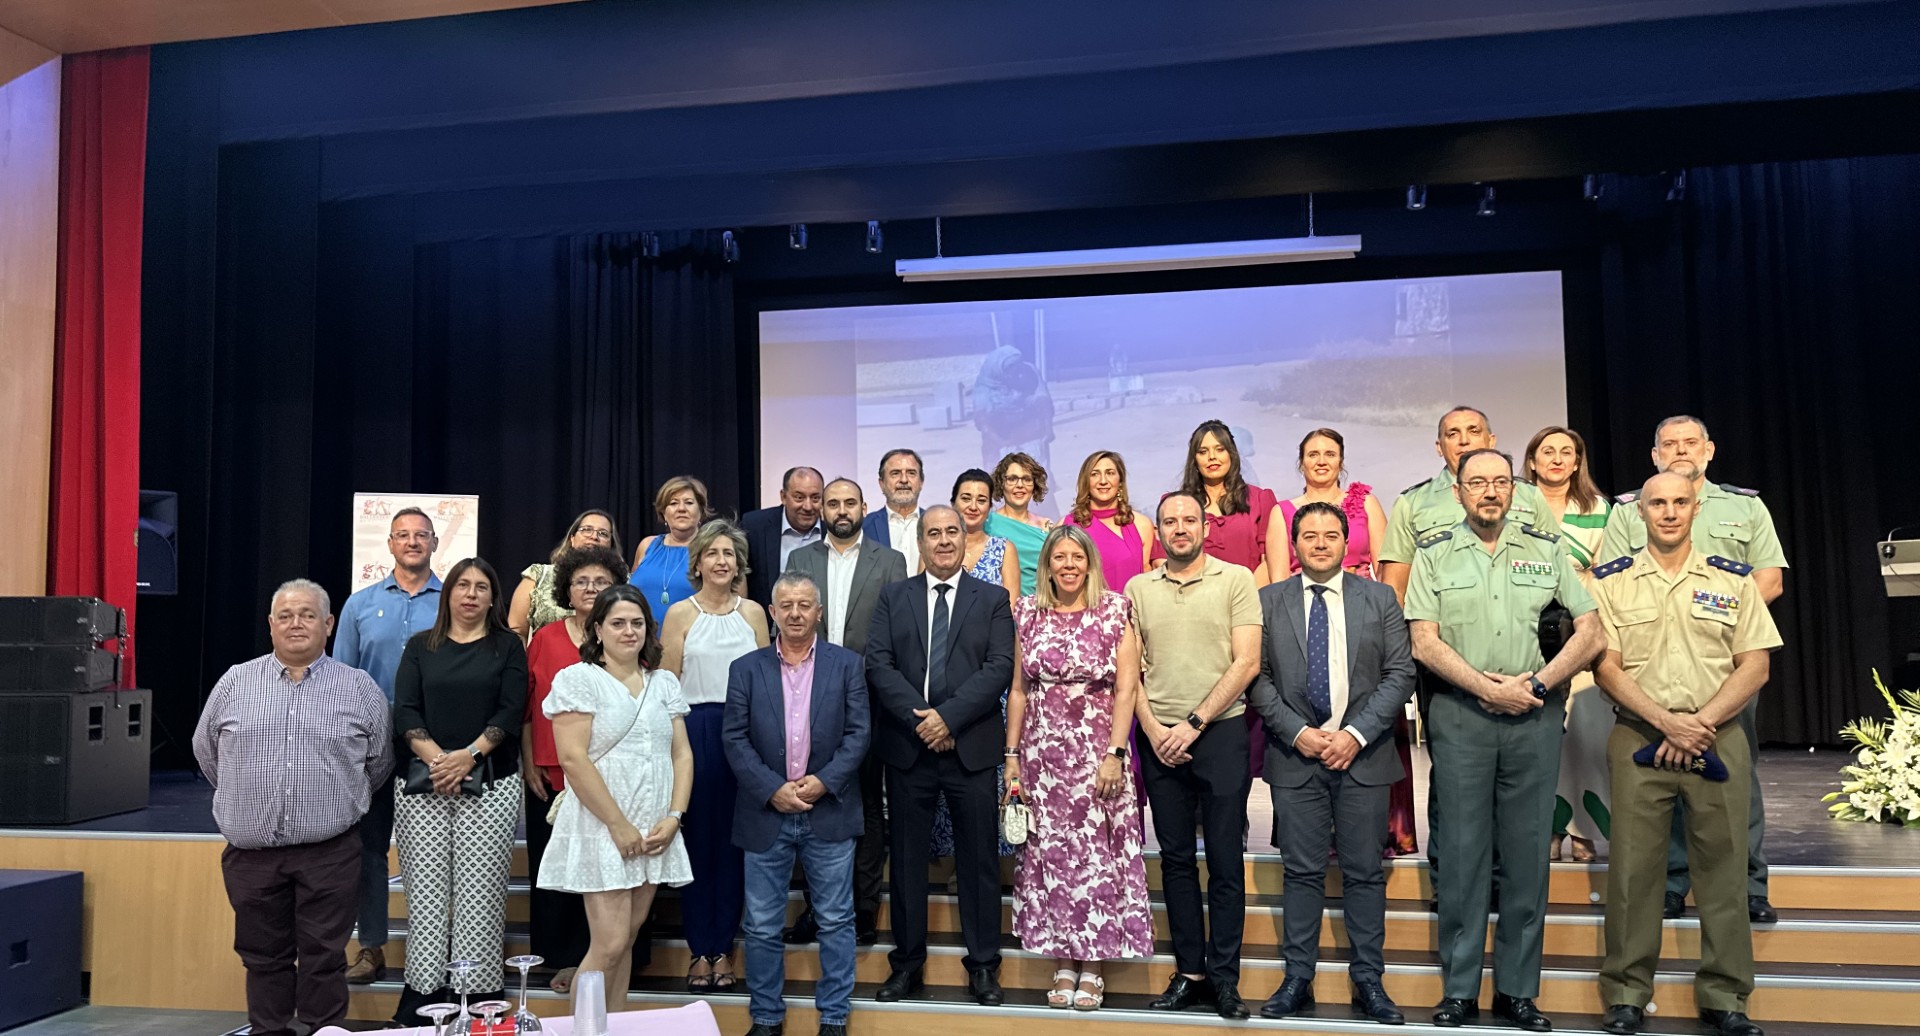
(1335, 671)
(850, 569)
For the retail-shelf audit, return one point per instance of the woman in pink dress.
(1323, 463)
(1121, 535)
(1080, 890)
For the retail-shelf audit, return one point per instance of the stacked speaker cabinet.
(72, 747)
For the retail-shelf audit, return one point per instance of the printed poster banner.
(455, 518)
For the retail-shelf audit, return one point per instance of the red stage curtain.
(95, 492)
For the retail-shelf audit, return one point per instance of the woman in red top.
(558, 920)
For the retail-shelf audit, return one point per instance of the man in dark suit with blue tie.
(939, 656)
(897, 523)
(1335, 670)
(796, 727)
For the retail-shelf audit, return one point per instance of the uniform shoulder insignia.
(1739, 490)
(1614, 567)
(1432, 538)
(1550, 537)
(1738, 568)
(1627, 498)
(1415, 486)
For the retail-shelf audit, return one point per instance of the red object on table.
(502, 1026)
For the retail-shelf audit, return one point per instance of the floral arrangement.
(1884, 782)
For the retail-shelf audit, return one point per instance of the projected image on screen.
(965, 383)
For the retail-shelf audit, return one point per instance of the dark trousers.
(1210, 789)
(911, 794)
(557, 921)
(376, 837)
(1331, 809)
(710, 907)
(293, 908)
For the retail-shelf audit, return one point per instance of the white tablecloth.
(694, 1019)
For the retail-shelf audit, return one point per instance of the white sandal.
(1057, 997)
(1085, 1001)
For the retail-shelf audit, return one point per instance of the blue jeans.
(829, 867)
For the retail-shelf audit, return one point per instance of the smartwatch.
(1539, 689)
(477, 754)
(1118, 752)
(1194, 721)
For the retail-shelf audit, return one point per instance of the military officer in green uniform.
(1731, 523)
(1431, 506)
(1474, 603)
(1687, 642)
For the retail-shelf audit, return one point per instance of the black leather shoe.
(985, 988)
(1520, 1012)
(1759, 911)
(1293, 996)
(866, 929)
(900, 985)
(1674, 905)
(775, 1029)
(1181, 993)
(1623, 1019)
(1731, 1023)
(1228, 1003)
(832, 1030)
(1371, 999)
(805, 930)
(1452, 1013)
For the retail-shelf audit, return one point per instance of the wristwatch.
(1118, 752)
(1539, 689)
(477, 754)
(1194, 721)
(676, 814)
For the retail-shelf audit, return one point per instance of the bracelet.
(1012, 753)
(677, 815)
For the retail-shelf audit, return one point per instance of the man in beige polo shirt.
(1199, 623)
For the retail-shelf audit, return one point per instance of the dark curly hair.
(583, 557)
(1033, 467)
(593, 652)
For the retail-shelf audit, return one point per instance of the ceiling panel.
(73, 26)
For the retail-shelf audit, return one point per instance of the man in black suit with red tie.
(939, 655)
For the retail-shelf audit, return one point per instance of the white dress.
(638, 771)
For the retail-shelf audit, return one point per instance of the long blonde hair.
(1043, 594)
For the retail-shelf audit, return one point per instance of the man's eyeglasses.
(411, 537)
(1481, 485)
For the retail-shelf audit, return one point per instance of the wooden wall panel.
(29, 252)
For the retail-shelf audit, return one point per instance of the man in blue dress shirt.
(375, 625)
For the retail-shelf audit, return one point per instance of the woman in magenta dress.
(1080, 890)
(1323, 463)
(1238, 519)
(1121, 535)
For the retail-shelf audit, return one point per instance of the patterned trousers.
(455, 852)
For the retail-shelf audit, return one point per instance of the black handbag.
(420, 777)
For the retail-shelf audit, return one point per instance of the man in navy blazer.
(939, 656)
(774, 533)
(1336, 670)
(897, 524)
(795, 730)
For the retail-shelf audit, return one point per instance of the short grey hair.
(794, 581)
(302, 586)
(1680, 419)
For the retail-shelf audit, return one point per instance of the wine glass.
(439, 1013)
(491, 1010)
(459, 970)
(525, 1020)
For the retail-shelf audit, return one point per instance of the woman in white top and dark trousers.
(702, 635)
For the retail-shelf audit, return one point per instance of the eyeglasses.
(1018, 480)
(411, 537)
(591, 584)
(597, 535)
(1481, 485)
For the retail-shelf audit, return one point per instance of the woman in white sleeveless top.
(702, 635)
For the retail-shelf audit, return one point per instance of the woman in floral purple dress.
(1080, 891)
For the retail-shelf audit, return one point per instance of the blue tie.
(1319, 682)
(937, 648)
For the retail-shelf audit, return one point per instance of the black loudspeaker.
(40, 921)
(59, 620)
(68, 757)
(56, 667)
(158, 571)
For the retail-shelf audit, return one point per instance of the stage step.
(955, 1014)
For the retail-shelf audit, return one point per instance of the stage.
(1845, 956)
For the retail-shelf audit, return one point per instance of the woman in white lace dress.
(618, 723)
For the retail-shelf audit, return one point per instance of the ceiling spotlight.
(876, 241)
(649, 245)
(797, 236)
(1416, 197)
(729, 247)
(1486, 202)
(1678, 192)
(1590, 187)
